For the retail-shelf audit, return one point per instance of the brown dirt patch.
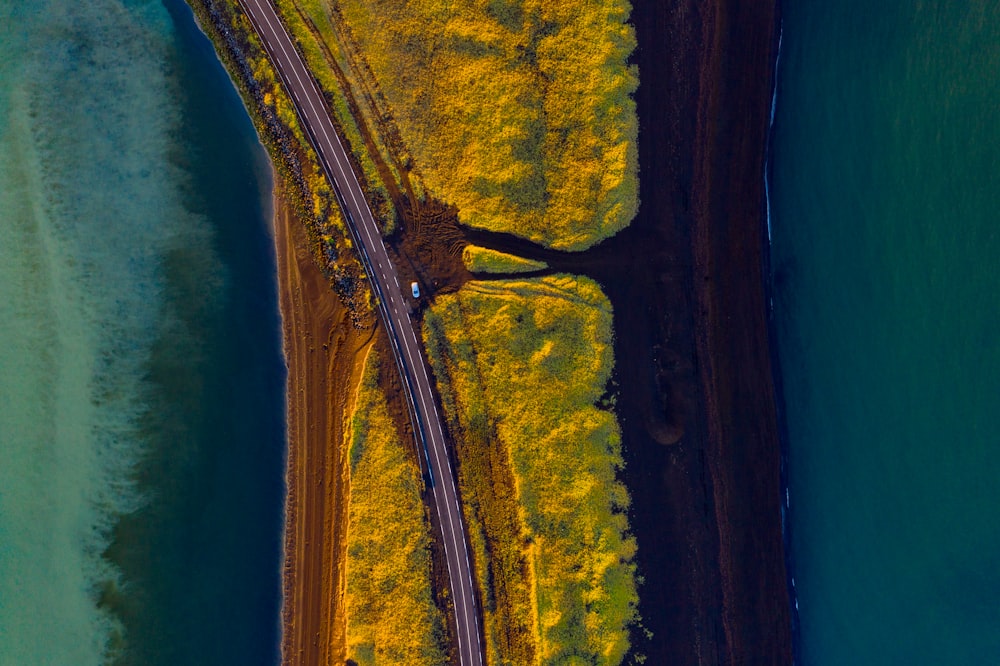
(325, 354)
(428, 246)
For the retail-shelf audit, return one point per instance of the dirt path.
(325, 355)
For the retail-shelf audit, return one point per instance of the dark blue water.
(886, 238)
(142, 384)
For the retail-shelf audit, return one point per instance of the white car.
(415, 289)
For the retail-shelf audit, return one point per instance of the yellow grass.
(519, 112)
(308, 24)
(521, 366)
(485, 260)
(391, 615)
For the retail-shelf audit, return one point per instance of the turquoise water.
(886, 239)
(141, 378)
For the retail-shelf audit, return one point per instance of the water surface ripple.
(141, 382)
(886, 192)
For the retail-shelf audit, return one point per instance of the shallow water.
(886, 192)
(141, 378)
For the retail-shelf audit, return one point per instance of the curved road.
(393, 310)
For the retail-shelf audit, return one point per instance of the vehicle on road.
(395, 314)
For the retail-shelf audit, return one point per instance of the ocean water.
(886, 240)
(141, 377)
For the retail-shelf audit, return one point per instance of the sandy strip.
(325, 355)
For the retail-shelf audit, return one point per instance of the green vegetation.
(519, 112)
(521, 366)
(391, 615)
(484, 260)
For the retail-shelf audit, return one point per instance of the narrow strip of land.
(394, 313)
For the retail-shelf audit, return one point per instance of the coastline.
(779, 389)
(698, 402)
(744, 442)
(325, 354)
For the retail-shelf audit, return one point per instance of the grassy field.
(485, 260)
(519, 112)
(522, 367)
(391, 615)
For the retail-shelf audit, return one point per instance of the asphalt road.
(394, 313)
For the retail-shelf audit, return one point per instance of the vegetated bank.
(562, 595)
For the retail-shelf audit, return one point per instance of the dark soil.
(692, 339)
(427, 246)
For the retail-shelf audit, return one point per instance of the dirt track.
(325, 353)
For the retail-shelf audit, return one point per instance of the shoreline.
(698, 402)
(731, 253)
(784, 441)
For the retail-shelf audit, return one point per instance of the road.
(394, 313)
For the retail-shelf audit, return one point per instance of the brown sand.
(325, 354)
